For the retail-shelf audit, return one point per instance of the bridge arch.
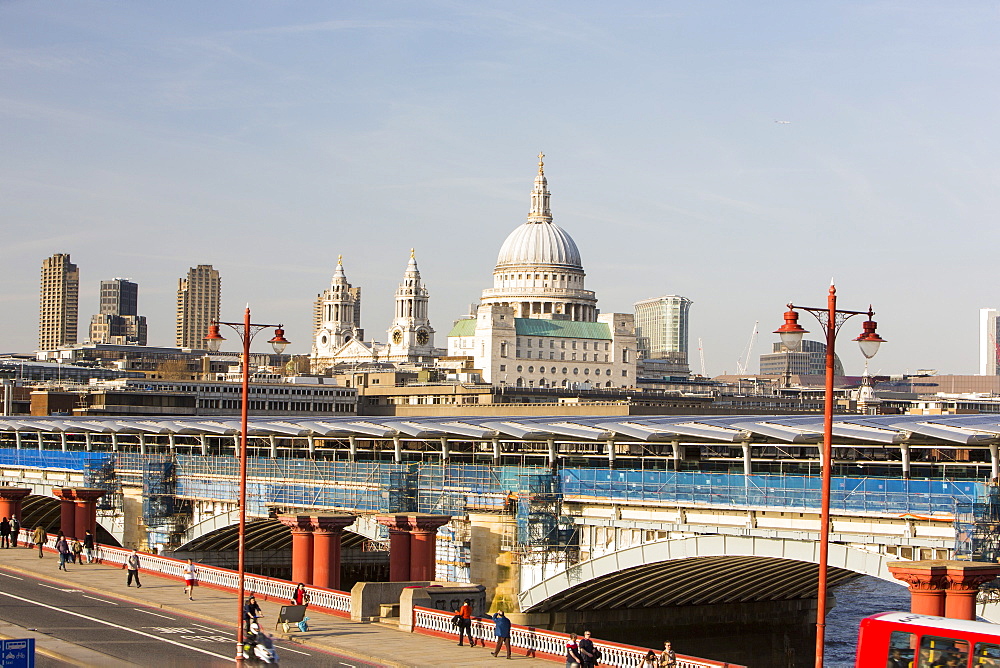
(45, 511)
(701, 570)
(365, 526)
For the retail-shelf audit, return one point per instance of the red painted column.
(10, 501)
(423, 545)
(302, 546)
(423, 554)
(964, 579)
(399, 546)
(327, 533)
(79, 509)
(927, 584)
(67, 510)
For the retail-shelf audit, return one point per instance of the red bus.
(906, 640)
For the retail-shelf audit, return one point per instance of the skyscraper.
(988, 350)
(58, 305)
(661, 327)
(198, 302)
(119, 321)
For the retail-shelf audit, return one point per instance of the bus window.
(987, 655)
(901, 649)
(937, 652)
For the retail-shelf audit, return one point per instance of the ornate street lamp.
(246, 331)
(831, 318)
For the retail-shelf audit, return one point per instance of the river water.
(856, 600)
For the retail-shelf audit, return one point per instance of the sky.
(267, 138)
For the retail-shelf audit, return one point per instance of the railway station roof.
(926, 430)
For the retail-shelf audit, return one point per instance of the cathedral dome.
(539, 243)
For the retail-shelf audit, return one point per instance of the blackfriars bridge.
(564, 519)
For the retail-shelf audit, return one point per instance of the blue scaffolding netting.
(869, 495)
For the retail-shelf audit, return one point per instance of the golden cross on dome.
(541, 162)
(411, 253)
(340, 259)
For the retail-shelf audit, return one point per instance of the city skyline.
(268, 141)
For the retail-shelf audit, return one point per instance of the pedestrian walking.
(300, 596)
(465, 623)
(88, 546)
(649, 661)
(588, 653)
(501, 629)
(4, 532)
(62, 547)
(251, 613)
(38, 538)
(190, 579)
(77, 551)
(15, 529)
(668, 658)
(573, 659)
(132, 565)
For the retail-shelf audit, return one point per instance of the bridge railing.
(543, 644)
(330, 600)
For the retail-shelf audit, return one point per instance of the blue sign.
(17, 653)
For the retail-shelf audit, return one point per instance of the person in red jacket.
(465, 624)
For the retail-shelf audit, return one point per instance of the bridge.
(562, 518)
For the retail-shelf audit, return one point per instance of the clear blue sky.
(266, 138)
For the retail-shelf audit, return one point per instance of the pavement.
(376, 642)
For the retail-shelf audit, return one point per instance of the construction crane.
(744, 361)
(701, 354)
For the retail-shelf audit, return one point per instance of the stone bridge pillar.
(316, 547)
(302, 546)
(10, 501)
(327, 534)
(412, 545)
(78, 511)
(945, 588)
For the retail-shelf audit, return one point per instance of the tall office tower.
(988, 337)
(119, 322)
(661, 327)
(198, 302)
(58, 306)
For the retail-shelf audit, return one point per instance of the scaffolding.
(977, 527)
(894, 496)
(100, 473)
(293, 483)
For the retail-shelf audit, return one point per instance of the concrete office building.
(661, 328)
(118, 321)
(809, 359)
(199, 298)
(58, 305)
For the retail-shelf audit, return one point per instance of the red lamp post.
(831, 318)
(246, 331)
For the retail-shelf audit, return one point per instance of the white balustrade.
(552, 643)
(223, 578)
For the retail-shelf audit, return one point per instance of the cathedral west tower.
(411, 337)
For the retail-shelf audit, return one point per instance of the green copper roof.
(567, 329)
(562, 328)
(465, 327)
